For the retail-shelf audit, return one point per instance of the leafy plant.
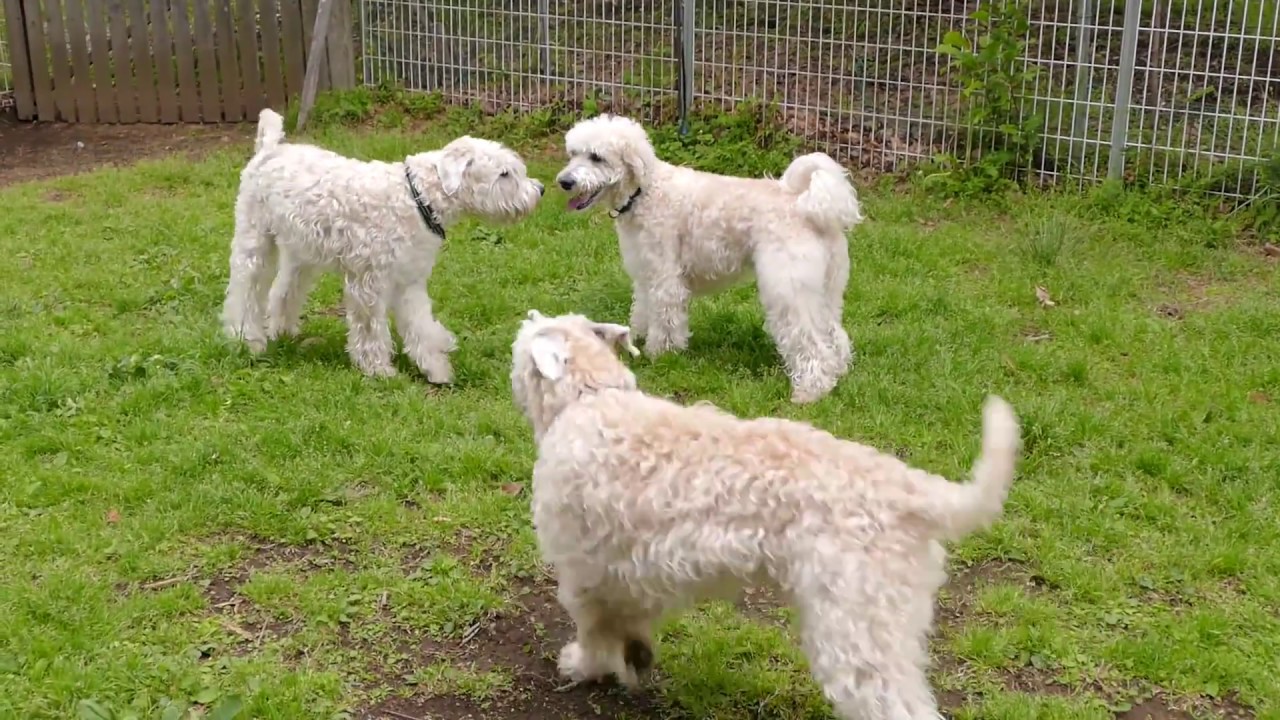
(994, 78)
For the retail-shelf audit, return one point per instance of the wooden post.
(315, 59)
(342, 56)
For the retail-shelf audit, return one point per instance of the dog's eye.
(505, 173)
(595, 158)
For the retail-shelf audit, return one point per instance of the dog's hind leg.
(869, 656)
(798, 316)
(837, 281)
(253, 261)
(288, 295)
(368, 333)
(427, 342)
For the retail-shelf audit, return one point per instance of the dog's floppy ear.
(638, 159)
(550, 356)
(450, 166)
(616, 335)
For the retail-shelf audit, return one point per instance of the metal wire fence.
(6, 65)
(1155, 90)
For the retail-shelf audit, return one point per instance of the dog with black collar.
(303, 210)
(684, 233)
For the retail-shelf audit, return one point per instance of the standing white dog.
(683, 233)
(643, 506)
(303, 210)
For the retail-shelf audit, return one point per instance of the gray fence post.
(1084, 81)
(686, 18)
(1124, 89)
(544, 18)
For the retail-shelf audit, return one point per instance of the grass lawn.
(182, 525)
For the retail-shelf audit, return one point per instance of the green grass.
(181, 523)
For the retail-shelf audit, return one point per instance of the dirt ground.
(36, 151)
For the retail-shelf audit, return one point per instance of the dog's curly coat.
(683, 232)
(303, 209)
(643, 506)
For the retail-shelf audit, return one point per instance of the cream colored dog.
(684, 233)
(643, 506)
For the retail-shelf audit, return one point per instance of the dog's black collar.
(424, 207)
(631, 201)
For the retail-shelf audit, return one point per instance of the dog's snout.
(542, 190)
(567, 183)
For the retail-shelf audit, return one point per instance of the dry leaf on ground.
(1043, 296)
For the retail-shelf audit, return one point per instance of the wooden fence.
(168, 61)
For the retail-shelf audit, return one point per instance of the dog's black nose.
(567, 183)
(542, 190)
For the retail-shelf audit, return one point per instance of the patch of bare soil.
(238, 615)
(37, 151)
(524, 643)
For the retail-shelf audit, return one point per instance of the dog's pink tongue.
(575, 203)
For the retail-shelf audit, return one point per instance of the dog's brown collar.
(631, 201)
(424, 208)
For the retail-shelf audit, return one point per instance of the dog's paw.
(380, 371)
(806, 397)
(638, 654)
(572, 663)
(256, 346)
(276, 332)
(438, 370)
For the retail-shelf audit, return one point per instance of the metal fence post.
(1084, 80)
(685, 21)
(1124, 89)
(544, 18)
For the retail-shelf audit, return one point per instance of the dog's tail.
(826, 196)
(270, 130)
(957, 510)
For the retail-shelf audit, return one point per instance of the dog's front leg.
(640, 312)
(668, 314)
(427, 342)
(598, 649)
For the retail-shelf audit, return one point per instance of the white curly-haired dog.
(643, 506)
(684, 232)
(303, 210)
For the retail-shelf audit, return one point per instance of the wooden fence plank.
(228, 67)
(144, 65)
(64, 96)
(33, 18)
(208, 64)
(104, 89)
(250, 64)
(162, 49)
(81, 80)
(188, 88)
(315, 62)
(309, 8)
(16, 30)
(272, 67)
(295, 58)
(341, 49)
(126, 94)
